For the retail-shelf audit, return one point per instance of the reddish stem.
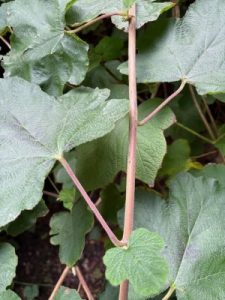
(83, 283)
(163, 104)
(59, 283)
(131, 162)
(91, 22)
(89, 202)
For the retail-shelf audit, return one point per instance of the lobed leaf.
(36, 129)
(190, 49)
(193, 225)
(141, 263)
(68, 230)
(41, 51)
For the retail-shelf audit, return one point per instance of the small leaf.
(43, 53)
(193, 225)
(26, 219)
(9, 295)
(68, 230)
(190, 49)
(8, 263)
(67, 196)
(141, 263)
(65, 293)
(110, 152)
(36, 129)
(31, 292)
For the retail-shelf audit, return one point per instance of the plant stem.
(5, 42)
(204, 120)
(163, 104)
(210, 116)
(89, 202)
(53, 184)
(59, 283)
(131, 161)
(176, 9)
(169, 293)
(93, 21)
(81, 278)
(195, 133)
(51, 194)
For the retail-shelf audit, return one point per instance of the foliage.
(67, 136)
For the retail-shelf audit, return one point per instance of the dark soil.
(39, 263)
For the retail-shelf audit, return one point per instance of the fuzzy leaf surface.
(190, 49)
(110, 152)
(41, 51)
(36, 129)
(141, 263)
(68, 230)
(9, 295)
(147, 10)
(8, 263)
(192, 224)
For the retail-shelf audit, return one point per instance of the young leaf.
(67, 196)
(41, 51)
(193, 225)
(26, 219)
(68, 230)
(36, 129)
(147, 10)
(8, 263)
(141, 263)
(9, 295)
(65, 293)
(189, 49)
(110, 152)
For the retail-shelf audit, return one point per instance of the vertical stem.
(213, 123)
(176, 9)
(169, 293)
(89, 202)
(204, 120)
(131, 162)
(59, 283)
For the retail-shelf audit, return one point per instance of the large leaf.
(68, 230)
(190, 49)
(193, 225)
(35, 130)
(41, 51)
(99, 162)
(147, 10)
(141, 262)
(65, 293)
(8, 263)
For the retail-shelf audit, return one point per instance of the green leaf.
(36, 129)
(41, 51)
(193, 225)
(67, 196)
(141, 263)
(8, 263)
(110, 152)
(112, 201)
(147, 11)
(3, 22)
(65, 293)
(216, 171)
(110, 292)
(68, 230)
(9, 295)
(188, 49)
(178, 159)
(31, 292)
(128, 3)
(26, 219)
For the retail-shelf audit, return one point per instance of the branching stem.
(59, 283)
(93, 21)
(163, 104)
(131, 162)
(91, 205)
(83, 282)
